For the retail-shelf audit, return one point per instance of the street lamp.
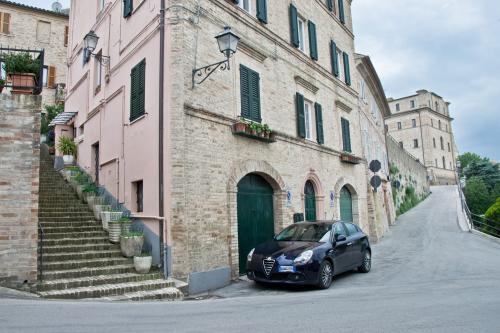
(228, 44)
(90, 43)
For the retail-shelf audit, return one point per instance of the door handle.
(349, 244)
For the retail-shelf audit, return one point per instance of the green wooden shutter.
(313, 44)
(138, 90)
(329, 4)
(347, 70)
(262, 10)
(334, 58)
(236, 1)
(250, 94)
(346, 135)
(127, 8)
(294, 26)
(245, 92)
(301, 120)
(319, 123)
(341, 11)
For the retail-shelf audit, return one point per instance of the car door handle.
(349, 244)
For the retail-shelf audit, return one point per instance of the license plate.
(286, 269)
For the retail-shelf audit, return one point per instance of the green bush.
(51, 112)
(492, 216)
(66, 145)
(477, 195)
(21, 63)
(131, 234)
(90, 188)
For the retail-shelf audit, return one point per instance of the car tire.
(366, 264)
(325, 275)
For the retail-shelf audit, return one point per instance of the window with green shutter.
(347, 70)
(329, 4)
(137, 90)
(127, 8)
(301, 120)
(250, 94)
(319, 123)
(294, 27)
(346, 135)
(334, 58)
(341, 11)
(262, 11)
(313, 44)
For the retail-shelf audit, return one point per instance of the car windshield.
(305, 233)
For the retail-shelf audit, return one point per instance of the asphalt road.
(427, 276)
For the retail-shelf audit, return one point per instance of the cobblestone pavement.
(428, 276)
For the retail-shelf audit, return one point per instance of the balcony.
(254, 131)
(349, 158)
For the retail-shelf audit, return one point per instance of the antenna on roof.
(56, 7)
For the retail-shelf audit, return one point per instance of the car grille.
(268, 264)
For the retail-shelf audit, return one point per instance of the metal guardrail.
(41, 235)
(478, 222)
(35, 54)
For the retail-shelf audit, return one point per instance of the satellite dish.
(56, 7)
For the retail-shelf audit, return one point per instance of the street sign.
(375, 182)
(375, 166)
(332, 199)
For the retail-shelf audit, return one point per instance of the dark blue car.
(310, 253)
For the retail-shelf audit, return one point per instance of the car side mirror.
(340, 238)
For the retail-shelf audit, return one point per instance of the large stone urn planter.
(68, 159)
(142, 264)
(107, 217)
(115, 231)
(95, 200)
(97, 209)
(131, 245)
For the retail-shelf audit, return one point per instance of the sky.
(450, 47)
(46, 4)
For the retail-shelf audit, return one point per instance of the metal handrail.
(42, 237)
(478, 222)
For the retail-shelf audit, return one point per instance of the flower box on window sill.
(243, 129)
(349, 158)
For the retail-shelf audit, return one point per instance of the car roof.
(318, 222)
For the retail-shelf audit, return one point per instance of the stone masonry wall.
(19, 172)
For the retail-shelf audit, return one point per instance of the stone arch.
(319, 193)
(341, 183)
(240, 169)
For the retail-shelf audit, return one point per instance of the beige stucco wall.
(23, 35)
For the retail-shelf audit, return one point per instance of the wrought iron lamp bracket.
(204, 72)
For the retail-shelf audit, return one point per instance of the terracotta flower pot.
(240, 127)
(23, 83)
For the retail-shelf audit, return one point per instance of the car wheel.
(325, 275)
(366, 265)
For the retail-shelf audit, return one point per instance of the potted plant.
(67, 147)
(109, 217)
(89, 193)
(131, 243)
(142, 262)
(115, 230)
(22, 70)
(126, 224)
(97, 209)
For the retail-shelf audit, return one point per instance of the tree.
(51, 112)
(477, 195)
(488, 172)
(493, 218)
(466, 158)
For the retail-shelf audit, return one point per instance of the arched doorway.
(310, 201)
(255, 215)
(346, 205)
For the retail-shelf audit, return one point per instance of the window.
(444, 163)
(414, 123)
(138, 192)
(442, 143)
(439, 124)
(446, 127)
(362, 92)
(339, 229)
(415, 143)
(137, 90)
(432, 122)
(45, 75)
(340, 64)
(412, 104)
(97, 73)
(245, 5)
(308, 119)
(341, 11)
(43, 32)
(128, 7)
(449, 147)
(51, 80)
(436, 162)
(437, 106)
(401, 144)
(347, 70)
(399, 125)
(434, 142)
(397, 107)
(5, 23)
(346, 135)
(66, 35)
(301, 26)
(331, 5)
(334, 58)
(351, 228)
(250, 94)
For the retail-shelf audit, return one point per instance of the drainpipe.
(164, 258)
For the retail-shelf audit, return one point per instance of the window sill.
(137, 119)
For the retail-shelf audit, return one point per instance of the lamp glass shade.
(91, 40)
(228, 41)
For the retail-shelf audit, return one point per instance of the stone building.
(169, 149)
(421, 124)
(373, 107)
(27, 27)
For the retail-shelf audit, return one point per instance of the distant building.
(27, 27)
(421, 123)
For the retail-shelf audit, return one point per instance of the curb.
(486, 236)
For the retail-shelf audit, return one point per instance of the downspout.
(164, 258)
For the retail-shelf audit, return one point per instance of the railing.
(41, 235)
(35, 54)
(478, 222)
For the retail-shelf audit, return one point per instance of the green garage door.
(345, 205)
(310, 201)
(255, 215)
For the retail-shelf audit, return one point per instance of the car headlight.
(303, 258)
(250, 254)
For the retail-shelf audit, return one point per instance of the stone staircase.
(78, 259)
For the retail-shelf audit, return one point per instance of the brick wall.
(19, 172)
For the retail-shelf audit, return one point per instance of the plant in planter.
(109, 217)
(142, 262)
(90, 191)
(131, 243)
(22, 70)
(126, 224)
(67, 147)
(97, 209)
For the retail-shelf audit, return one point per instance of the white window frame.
(308, 119)
(246, 5)
(340, 57)
(301, 26)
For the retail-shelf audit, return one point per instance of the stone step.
(87, 263)
(47, 229)
(64, 213)
(72, 209)
(108, 289)
(74, 241)
(88, 271)
(83, 218)
(90, 281)
(50, 257)
(60, 235)
(104, 246)
(169, 294)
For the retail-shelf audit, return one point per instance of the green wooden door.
(310, 201)
(345, 205)
(255, 215)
